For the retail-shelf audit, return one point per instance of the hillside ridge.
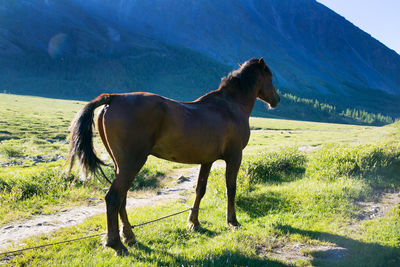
(181, 49)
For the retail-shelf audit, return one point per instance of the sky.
(380, 18)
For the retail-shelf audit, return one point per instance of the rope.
(159, 219)
(51, 244)
(90, 236)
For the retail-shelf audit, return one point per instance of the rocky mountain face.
(310, 47)
(181, 48)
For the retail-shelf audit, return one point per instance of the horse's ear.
(240, 65)
(261, 61)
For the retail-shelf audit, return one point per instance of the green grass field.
(299, 190)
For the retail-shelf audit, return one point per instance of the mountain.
(181, 49)
(58, 49)
(299, 37)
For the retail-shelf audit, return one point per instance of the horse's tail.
(82, 137)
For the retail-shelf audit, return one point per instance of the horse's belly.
(187, 152)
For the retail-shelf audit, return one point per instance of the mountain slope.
(299, 38)
(58, 49)
(181, 49)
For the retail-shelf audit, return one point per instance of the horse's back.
(182, 132)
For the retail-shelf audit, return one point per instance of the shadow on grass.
(385, 177)
(359, 253)
(156, 253)
(206, 232)
(143, 247)
(286, 174)
(227, 258)
(259, 204)
(184, 235)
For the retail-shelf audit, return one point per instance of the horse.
(133, 126)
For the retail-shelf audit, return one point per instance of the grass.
(45, 187)
(334, 161)
(307, 210)
(275, 166)
(299, 183)
(273, 134)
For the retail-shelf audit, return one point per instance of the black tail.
(82, 137)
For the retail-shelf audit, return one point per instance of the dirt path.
(292, 252)
(43, 224)
(372, 210)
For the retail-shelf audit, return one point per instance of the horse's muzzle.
(275, 101)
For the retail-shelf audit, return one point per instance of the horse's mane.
(244, 75)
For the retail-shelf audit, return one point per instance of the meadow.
(302, 192)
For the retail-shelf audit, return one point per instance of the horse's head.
(266, 90)
(255, 81)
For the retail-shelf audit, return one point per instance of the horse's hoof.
(130, 242)
(121, 252)
(116, 244)
(234, 225)
(129, 237)
(194, 226)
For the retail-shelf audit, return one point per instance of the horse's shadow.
(206, 232)
(358, 253)
(227, 258)
(257, 204)
(142, 247)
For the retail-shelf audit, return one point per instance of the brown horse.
(135, 125)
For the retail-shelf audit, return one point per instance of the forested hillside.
(325, 68)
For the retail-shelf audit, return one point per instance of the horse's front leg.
(232, 168)
(193, 221)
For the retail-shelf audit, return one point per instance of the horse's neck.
(245, 100)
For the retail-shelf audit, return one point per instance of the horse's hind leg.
(193, 221)
(126, 231)
(115, 198)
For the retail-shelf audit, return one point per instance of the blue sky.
(380, 18)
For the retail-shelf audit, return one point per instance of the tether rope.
(50, 244)
(159, 219)
(90, 236)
